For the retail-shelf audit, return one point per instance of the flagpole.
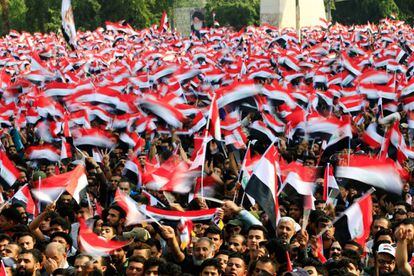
(240, 173)
(369, 192)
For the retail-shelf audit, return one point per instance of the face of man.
(80, 264)
(11, 250)
(215, 238)
(124, 187)
(236, 244)
(378, 225)
(118, 255)
(57, 228)
(22, 213)
(236, 267)
(154, 252)
(113, 217)
(254, 237)
(352, 269)
(223, 260)
(107, 232)
(50, 170)
(210, 271)
(26, 264)
(65, 199)
(311, 270)
(263, 268)
(295, 212)
(385, 263)
(3, 244)
(59, 257)
(285, 230)
(152, 271)
(202, 250)
(335, 251)
(135, 269)
(26, 242)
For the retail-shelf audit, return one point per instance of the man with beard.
(335, 252)
(119, 259)
(28, 263)
(116, 218)
(285, 229)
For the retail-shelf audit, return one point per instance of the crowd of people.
(180, 129)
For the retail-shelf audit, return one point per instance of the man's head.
(62, 238)
(118, 256)
(142, 250)
(11, 250)
(335, 252)
(151, 266)
(255, 235)
(107, 231)
(26, 240)
(380, 223)
(4, 240)
(203, 249)
(116, 216)
(57, 252)
(59, 224)
(385, 258)
(237, 243)
(9, 217)
(22, 211)
(285, 229)
(223, 257)
(236, 265)
(264, 266)
(215, 235)
(135, 266)
(81, 262)
(210, 267)
(124, 186)
(28, 262)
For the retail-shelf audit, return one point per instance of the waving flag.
(24, 195)
(161, 214)
(94, 137)
(214, 118)
(8, 172)
(48, 152)
(380, 173)
(301, 178)
(329, 184)
(356, 221)
(68, 23)
(263, 184)
(94, 245)
(51, 188)
(133, 214)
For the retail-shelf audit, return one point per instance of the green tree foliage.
(236, 13)
(362, 11)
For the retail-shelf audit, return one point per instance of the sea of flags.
(139, 83)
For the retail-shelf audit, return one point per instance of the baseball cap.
(137, 233)
(386, 248)
(235, 222)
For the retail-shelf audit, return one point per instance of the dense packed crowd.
(142, 152)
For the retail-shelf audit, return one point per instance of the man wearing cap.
(385, 259)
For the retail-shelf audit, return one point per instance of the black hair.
(136, 259)
(152, 262)
(211, 262)
(213, 229)
(169, 268)
(37, 255)
(64, 235)
(122, 213)
(61, 222)
(258, 227)
(11, 214)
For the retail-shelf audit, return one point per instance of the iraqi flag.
(133, 214)
(68, 24)
(24, 195)
(330, 186)
(8, 172)
(355, 222)
(381, 173)
(132, 170)
(301, 178)
(51, 188)
(262, 185)
(94, 137)
(161, 214)
(48, 152)
(94, 245)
